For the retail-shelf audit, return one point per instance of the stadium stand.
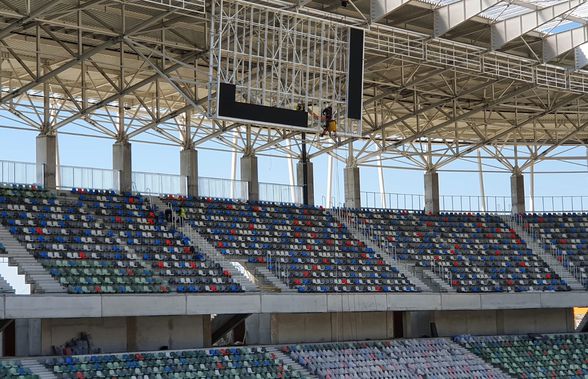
(423, 358)
(567, 234)
(245, 362)
(97, 242)
(480, 252)
(306, 246)
(15, 370)
(533, 356)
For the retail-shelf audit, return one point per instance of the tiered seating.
(15, 370)
(314, 253)
(107, 244)
(479, 252)
(568, 233)
(168, 255)
(422, 358)
(547, 356)
(247, 362)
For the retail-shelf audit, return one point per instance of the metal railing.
(223, 188)
(477, 204)
(20, 173)
(155, 183)
(86, 177)
(376, 237)
(280, 193)
(545, 248)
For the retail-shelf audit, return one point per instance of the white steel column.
(481, 174)
(329, 200)
(381, 182)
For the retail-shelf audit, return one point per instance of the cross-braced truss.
(435, 91)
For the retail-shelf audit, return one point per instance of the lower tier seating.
(416, 358)
(246, 362)
(536, 356)
(15, 370)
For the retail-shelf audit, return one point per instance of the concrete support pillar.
(249, 174)
(517, 193)
(28, 337)
(122, 161)
(431, 192)
(189, 169)
(352, 187)
(305, 179)
(47, 160)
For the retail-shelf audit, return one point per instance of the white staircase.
(237, 271)
(389, 257)
(37, 368)
(36, 275)
(537, 246)
(295, 366)
(5, 287)
(274, 280)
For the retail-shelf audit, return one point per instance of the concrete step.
(37, 368)
(273, 279)
(551, 261)
(27, 265)
(402, 267)
(304, 373)
(211, 253)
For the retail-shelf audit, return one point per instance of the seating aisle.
(305, 246)
(567, 233)
(99, 242)
(476, 253)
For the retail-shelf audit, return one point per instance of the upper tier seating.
(313, 251)
(568, 233)
(107, 243)
(547, 356)
(480, 252)
(15, 370)
(246, 362)
(422, 358)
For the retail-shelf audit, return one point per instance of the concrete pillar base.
(517, 193)
(47, 160)
(432, 192)
(122, 161)
(308, 185)
(249, 174)
(189, 170)
(352, 186)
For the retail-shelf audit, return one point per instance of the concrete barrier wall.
(492, 322)
(120, 334)
(325, 327)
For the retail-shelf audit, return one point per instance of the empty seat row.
(471, 252)
(533, 356)
(416, 358)
(305, 246)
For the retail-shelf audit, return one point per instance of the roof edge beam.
(449, 16)
(509, 29)
(382, 8)
(560, 43)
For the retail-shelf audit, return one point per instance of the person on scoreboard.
(329, 125)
